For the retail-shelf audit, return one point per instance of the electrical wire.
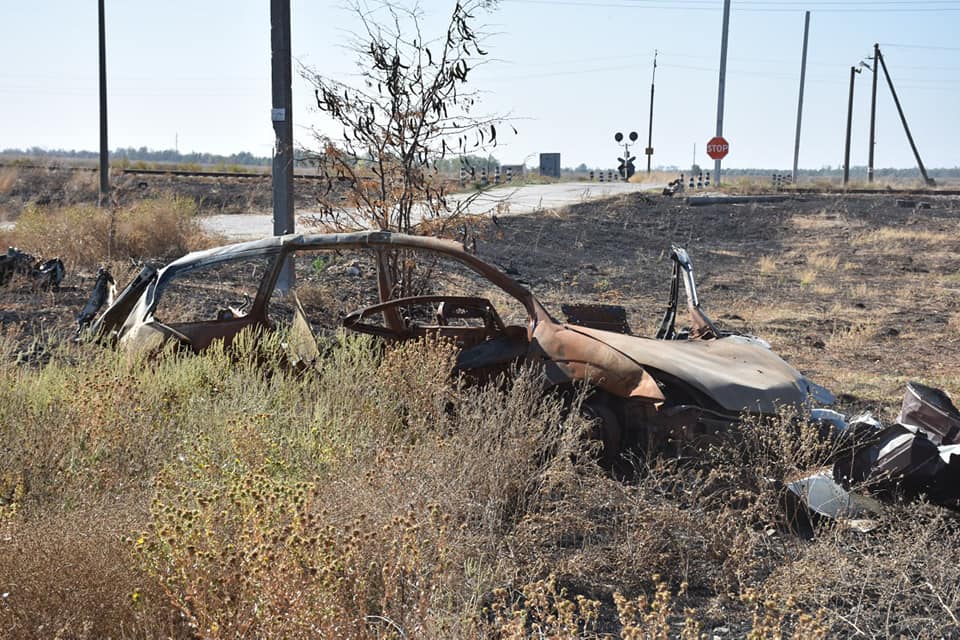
(899, 7)
(918, 46)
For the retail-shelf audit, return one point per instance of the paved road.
(511, 200)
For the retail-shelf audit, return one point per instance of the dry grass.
(895, 238)
(657, 177)
(223, 496)
(374, 500)
(68, 574)
(8, 179)
(85, 236)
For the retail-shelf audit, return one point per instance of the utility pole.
(723, 80)
(873, 112)
(803, 76)
(649, 149)
(104, 150)
(846, 153)
(927, 179)
(282, 117)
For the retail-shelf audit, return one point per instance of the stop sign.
(717, 148)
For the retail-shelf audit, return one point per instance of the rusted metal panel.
(607, 317)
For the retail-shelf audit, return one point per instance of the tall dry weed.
(375, 498)
(387, 525)
(68, 574)
(85, 236)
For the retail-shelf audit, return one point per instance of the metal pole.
(723, 80)
(104, 150)
(282, 118)
(649, 149)
(803, 77)
(873, 113)
(930, 182)
(846, 152)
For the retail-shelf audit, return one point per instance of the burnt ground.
(856, 291)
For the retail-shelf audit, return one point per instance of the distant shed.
(550, 165)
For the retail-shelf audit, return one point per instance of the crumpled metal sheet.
(103, 291)
(818, 495)
(47, 274)
(916, 456)
(930, 411)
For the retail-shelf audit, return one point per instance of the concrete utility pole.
(104, 150)
(649, 149)
(803, 76)
(282, 117)
(873, 112)
(846, 153)
(723, 80)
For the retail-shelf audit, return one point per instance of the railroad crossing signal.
(626, 168)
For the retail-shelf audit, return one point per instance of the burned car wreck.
(669, 394)
(681, 386)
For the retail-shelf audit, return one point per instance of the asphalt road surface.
(502, 200)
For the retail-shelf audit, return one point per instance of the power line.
(803, 3)
(901, 7)
(919, 46)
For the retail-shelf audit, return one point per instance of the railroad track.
(260, 176)
(171, 172)
(217, 174)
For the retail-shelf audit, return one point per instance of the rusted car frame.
(678, 387)
(667, 394)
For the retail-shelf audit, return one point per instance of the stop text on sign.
(718, 147)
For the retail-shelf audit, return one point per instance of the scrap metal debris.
(918, 455)
(103, 291)
(609, 317)
(46, 274)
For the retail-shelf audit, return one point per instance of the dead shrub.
(394, 523)
(897, 582)
(84, 236)
(69, 575)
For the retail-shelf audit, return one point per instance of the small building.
(550, 165)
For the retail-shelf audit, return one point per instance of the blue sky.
(570, 72)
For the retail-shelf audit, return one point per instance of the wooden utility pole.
(653, 80)
(722, 83)
(282, 117)
(846, 152)
(803, 76)
(873, 112)
(104, 150)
